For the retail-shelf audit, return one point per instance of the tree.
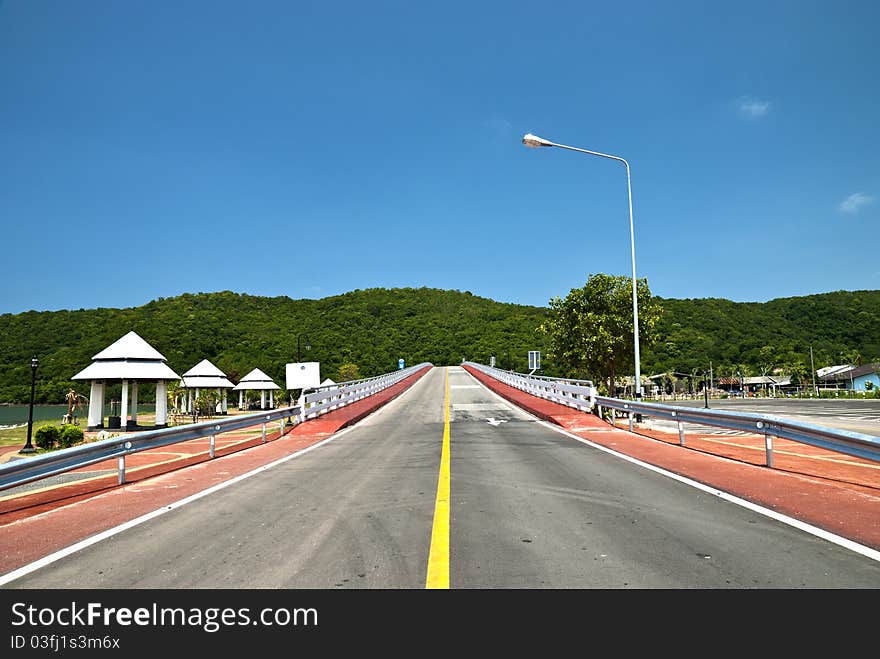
(348, 372)
(590, 332)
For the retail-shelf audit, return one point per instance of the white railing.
(334, 396)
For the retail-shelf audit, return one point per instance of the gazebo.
(256, 380)
(131, 360)
(205, 375)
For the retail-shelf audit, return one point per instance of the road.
(528, 507)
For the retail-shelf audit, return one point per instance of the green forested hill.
(369, 328)
(841, 327)
(373, 328)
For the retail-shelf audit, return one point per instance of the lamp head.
(534, 142)
(34, 362)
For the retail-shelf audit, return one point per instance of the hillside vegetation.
(371, 329)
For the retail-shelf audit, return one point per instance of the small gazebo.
(205, 375)
(131, 360)
(256, 380)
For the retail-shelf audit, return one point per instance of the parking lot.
(854, 415)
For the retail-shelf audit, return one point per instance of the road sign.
(400, 363)
(534, 360)
(492, 361)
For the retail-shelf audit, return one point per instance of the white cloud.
(854, 203)
(753, 107)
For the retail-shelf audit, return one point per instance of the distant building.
(852, 378)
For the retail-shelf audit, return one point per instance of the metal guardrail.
(26, 470)
(856, 444)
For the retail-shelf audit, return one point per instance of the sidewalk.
(832, 491)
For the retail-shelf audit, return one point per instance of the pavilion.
(259, 381)
(131, 360)
(205, 375)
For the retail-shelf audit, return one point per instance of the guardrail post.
(630, 415)
(121, 469)
(680, 433)
(264, 432)
(211, 445)
(768, 443)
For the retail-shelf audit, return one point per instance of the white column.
(225, 406)
(262, 399)
(189, 401)
(96, 405)
(103, 397)
(134, 403)
(271, 400)
(161, 404)
(241, 400)
(123, 412)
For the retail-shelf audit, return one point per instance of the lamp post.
(28, 447)
(535, 142)
(705, 391)
(308, 347)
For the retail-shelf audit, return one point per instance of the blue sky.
(307, 149)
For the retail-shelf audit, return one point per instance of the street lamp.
(535, 142)
(28, 447)
(308, 347)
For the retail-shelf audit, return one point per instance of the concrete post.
(161, 404)
(134, 403)
(123, 413)
(96, 406)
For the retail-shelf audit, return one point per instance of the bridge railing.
(26, 470)
(856, 444)
(330, 397)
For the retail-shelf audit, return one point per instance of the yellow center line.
(438, 558)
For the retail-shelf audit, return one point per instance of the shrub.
(70, 434)
(46, 436)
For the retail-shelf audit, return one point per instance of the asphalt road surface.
(528, 507)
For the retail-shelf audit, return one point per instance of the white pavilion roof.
(129, 358)
(256, 379)
(205, 375)
(130, 346)
(127, 370)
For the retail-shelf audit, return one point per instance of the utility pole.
(813, 371)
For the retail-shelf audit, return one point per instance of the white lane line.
(785, 519)
(82, 544)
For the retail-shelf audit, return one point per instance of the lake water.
(15, 415)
